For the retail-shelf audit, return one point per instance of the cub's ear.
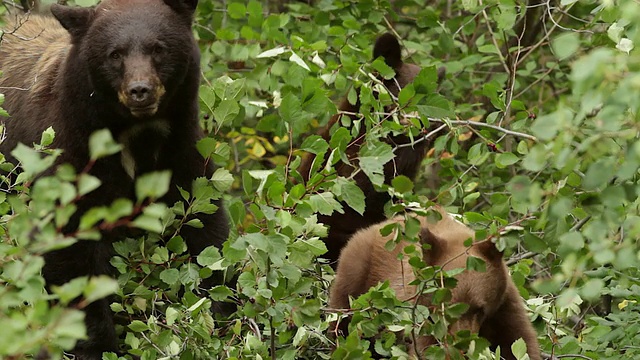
(388, 47)
(489, 250)
(436, 245)
(183, 6)
(75, 19)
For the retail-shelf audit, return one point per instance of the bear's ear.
(489, 250)
(187, 7)
(388, 47)
(75, 19)
(436, 245)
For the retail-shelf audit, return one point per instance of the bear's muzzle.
(141, 90)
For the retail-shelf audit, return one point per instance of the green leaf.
(170, 276)
(153, 185)
(325, 203)
(195, 223)
(350, 193)
(87, 183)
(237, 10)
(505, 159)
(290, 109)
(47, 137)
(402, 184)
(506, 17)
(598, 174)
(565, 44)
(625, 45)
(470, 4)
(71, 289)
(272, 52)
(209, 256)
(592, 289)
(255, 12)
(31, 161)
(572, 240)
(226, 111)
(314, 144)
(138, 326)
(316, 246)
(261, 175)
(372, 159)
(228, 89)
(615, 32)
(478, 154)
(100, 287)
(207, 98)
(385, 70)
(70, 325)
(222, 179)
(536, 160)
(148, 223)
(294, 58)
(220, 293)
(519, 348)
(101, 144)
(206, 146)
(406, 94)
(476, 264)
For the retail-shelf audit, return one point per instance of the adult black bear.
(496, 310)
(131, 66)
(406, 162)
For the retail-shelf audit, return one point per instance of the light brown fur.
(31, 78)
(495, 310)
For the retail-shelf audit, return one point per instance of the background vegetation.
(537, 146)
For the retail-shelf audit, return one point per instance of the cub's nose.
(139, 91)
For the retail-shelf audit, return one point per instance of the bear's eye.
(115, 55)
(158, 49)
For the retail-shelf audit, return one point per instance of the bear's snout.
(141, 90)
(142, 97)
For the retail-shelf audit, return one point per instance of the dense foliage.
(537, 146)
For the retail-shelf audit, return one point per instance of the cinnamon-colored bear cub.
(496, 311)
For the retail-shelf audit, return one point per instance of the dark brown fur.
(406, 162)
(496, 310)
(68, 77)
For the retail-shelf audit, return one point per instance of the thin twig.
(471, 123)
(423, 138)
(516, 259)
(495, 43)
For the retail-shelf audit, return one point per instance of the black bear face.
(388, 47)
(133, 64)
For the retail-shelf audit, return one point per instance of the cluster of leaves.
(537, 146)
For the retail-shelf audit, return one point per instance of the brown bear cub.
(496, 311)
(406, 162)
(133, 67)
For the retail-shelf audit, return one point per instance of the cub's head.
(388, 47)
(484, 292)
(137, 52)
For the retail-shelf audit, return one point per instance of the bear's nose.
(139, 91)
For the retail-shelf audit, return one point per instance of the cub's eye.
(158, 49)
(115, 55)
